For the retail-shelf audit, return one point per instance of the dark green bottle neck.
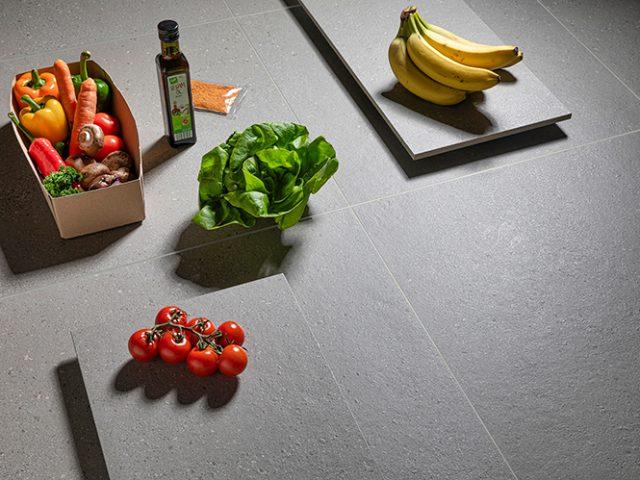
(170, 49)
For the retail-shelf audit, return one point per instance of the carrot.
(85, 112)
(66, 93)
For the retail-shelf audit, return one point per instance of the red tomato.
(111, 144)
(201, 325)
(202, 363)
(171, 314)
(232, 333)
(232, 361)
(174, 347)
(108, 123)
(142, 346)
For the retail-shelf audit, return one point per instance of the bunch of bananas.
(441, 67)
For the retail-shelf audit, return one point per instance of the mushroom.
(94, 173)
(117, 160)
(121, 174)
(90, 139)
(103, 181)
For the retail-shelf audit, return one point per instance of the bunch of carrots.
(60, 116)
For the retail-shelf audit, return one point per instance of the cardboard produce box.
(95, 210)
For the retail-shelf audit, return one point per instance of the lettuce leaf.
(267, 171)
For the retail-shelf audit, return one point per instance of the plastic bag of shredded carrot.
(215, 97)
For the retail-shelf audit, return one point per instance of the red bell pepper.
(41, 151)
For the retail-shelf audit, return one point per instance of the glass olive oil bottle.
(175, 87)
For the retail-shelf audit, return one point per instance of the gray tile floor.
(479, 311)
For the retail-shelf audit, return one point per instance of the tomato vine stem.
(202, 339)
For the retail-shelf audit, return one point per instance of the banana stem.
(412, 26)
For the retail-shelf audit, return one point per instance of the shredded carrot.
(214, 97)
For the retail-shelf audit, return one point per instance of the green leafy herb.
(61, 183)
(268, 171)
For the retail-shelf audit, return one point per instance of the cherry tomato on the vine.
(174, 347)
(202, 363)
(143, 346)
(232, 361)
(171, 314)
(202, 325)
(232, 334)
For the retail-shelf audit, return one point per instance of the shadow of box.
(96, 210)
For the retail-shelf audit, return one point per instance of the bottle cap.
(168, 30)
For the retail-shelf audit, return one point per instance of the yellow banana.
(411, 78)
(514, 61)
(467, 52)
(444, 32)
(443, 69)
(487, 57)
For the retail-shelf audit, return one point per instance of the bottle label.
(180, 106)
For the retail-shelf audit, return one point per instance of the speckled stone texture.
(517, 257)
(528, 281)
(283, 417)
(360, 32)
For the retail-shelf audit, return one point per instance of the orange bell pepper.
(35, 85)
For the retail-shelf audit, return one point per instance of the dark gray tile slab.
(609, 29)
(84, 23)
(250, 7)
(412, 414)
(28, 236)
(527, 279)
(425, 131)
(283, 417)
(374, 168)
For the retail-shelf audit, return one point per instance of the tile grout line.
(439, 353)
(9, 59)
(588, 49)
(304, 313)
(254, 14)
(144, 260)
(335, 379)
(117, 38)
(273, 81)
(328, 212)
(242, 234)
(350, 208)
(493, 169)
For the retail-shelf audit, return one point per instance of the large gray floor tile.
(424, 129)
(29, 238)
(414, 418)
(284, 417)
(374, 168)
(611, 30)
(527, 279)
(30, 27)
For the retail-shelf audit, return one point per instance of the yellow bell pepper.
(45, 121)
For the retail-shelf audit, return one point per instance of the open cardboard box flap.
(97, 210)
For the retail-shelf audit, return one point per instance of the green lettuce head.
(269, 170)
